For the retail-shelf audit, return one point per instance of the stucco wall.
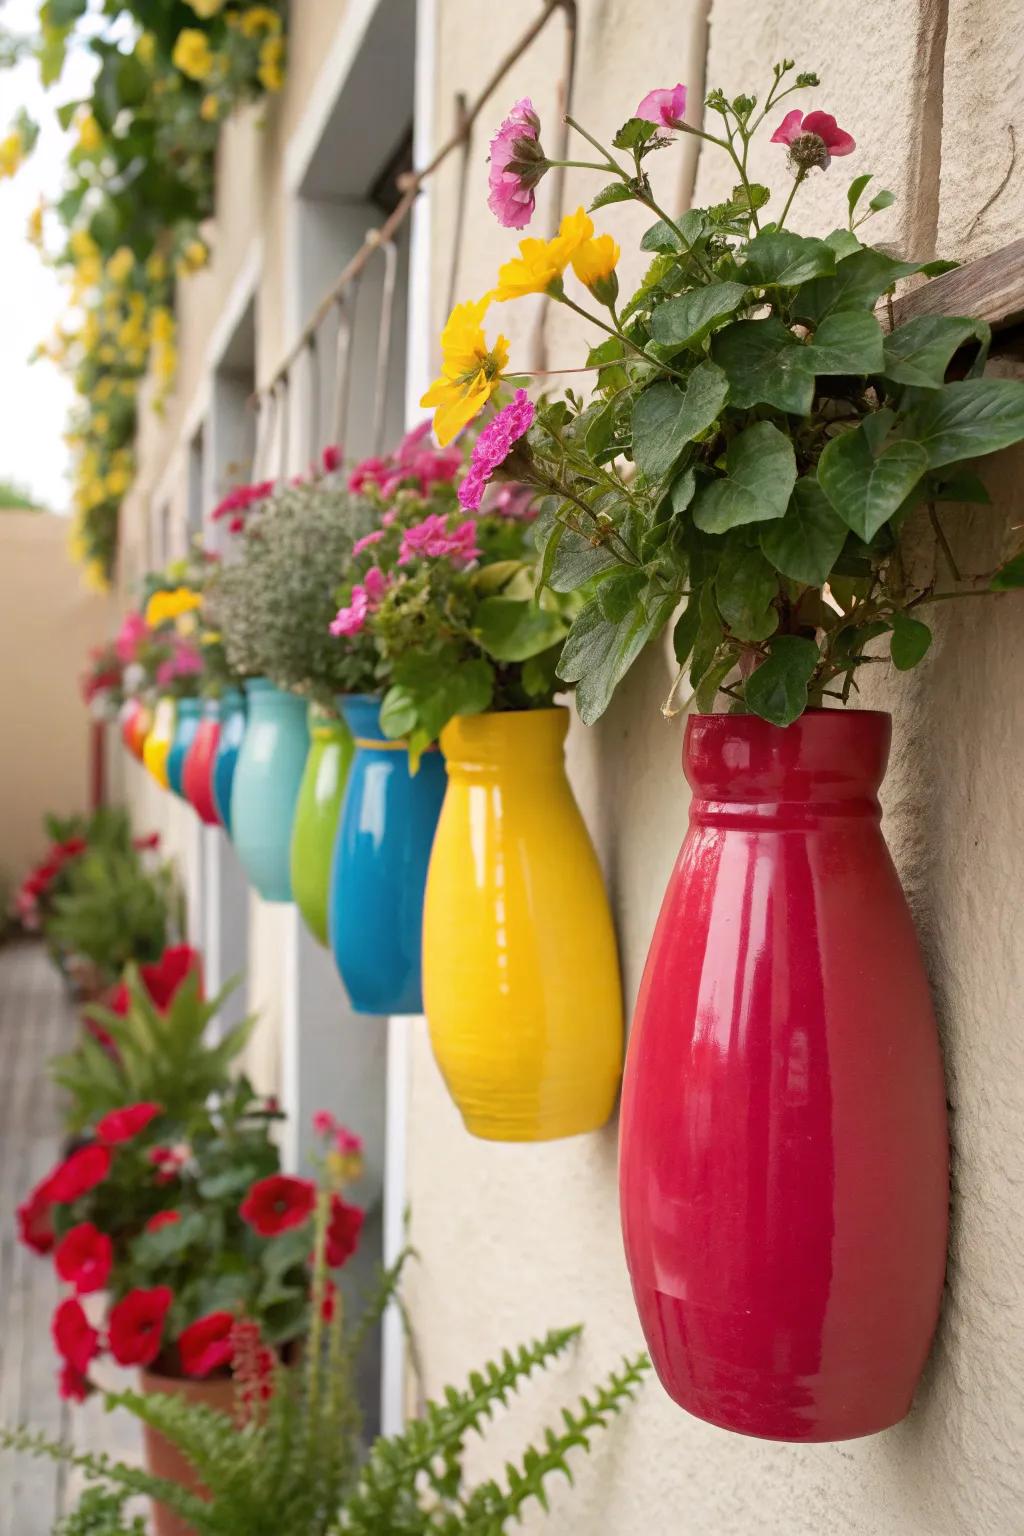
(48, 623)
(515, 1239)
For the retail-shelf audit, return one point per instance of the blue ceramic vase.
(232, 733)
(267, 778)
(379, 869)
(189, 711)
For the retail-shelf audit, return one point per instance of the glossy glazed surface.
(160, 739)
(379, 870)
(197, 777)
(184, 735)
(520, 967)
(784, 1165)
(141, 725)
(232, 733)
(316, 818)
(266, 786)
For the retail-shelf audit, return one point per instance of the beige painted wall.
(515, 1239)
(48, 622)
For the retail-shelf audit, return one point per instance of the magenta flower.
(412, 442)
(350, 620)
(375, 584)
(331, 458)
(432, 539)
(666, 107)
(366, 540)
(130, 636)
(517, 164)
(493, 447)
(813, 139)
(367, 472)
(516, 502)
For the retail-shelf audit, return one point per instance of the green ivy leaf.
(866, 480)
(666, 418)
(777, 689)
(685, 633)
(762, 361)
(920, 352)
(619, 592)
(849, 342)
(510, 630)
(844, 242)
(856, 190)
(598, 653)
(910, 640)
(1010, 576)
(883, 199)
(707, 688)
(684, 322)
(805, 544)
(634, 133)
(614, 192)
(745, 588)
(968, 418)
(661, 237)
(779, 258)
(759, 479)
(858, 283)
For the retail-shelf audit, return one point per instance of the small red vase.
(197, 773)
(784, 1164)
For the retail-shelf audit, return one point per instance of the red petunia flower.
(343, 1229)
(82, 1171)
(137, 1324)
(84, 1257)
(124, 1124)
(329, 1302)
(160, 980)
(813, 138)
(278, 1203)
(162, 1219)
(35, 1218)
(73, 1386)
(76, 1341)
(207, 1345)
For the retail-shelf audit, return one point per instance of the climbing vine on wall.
(128, 225)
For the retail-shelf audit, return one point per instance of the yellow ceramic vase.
(521, 979)
(160, 740)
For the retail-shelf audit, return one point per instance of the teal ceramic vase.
(189, 711)
(316, 816)
(229, 744)
(266, 786)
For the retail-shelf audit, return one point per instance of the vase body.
(316, 817)
(521, 982)
(229, 744)
(379, 868)
(160, 739)
(142, 724)
(165, 1460)
(197, 777)
(184, 735)
(130, 710)
(784, 1166)
(266, 786)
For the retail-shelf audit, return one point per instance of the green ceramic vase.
(316, 816)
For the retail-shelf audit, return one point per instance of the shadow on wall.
(48, 623)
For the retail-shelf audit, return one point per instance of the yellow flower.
(94, 576)
(82, 245)
(12, 152)
(163, 326)
(193, 258)
(156, 267)
(117, 482)
(35, 224)
(271, 57)
(119, 266)
(542, 262)
(192, 54)
(206, 8)
(209, 111)
(164, 606)
(595, 260)
(90, 135)
(146, 48)
(259, 18)
(470, 371)
(101, 423)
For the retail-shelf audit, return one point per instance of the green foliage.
(294, 1467)
(114, 910)
(101, 1512)
(780, 435)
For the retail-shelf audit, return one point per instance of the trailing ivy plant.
(761, 436)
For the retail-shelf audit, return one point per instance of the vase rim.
(834, 757)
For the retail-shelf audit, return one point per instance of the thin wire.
(313, 359)
(345, 303)
(387, 309)
(461, 196)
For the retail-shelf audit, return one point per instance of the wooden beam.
(991, 288)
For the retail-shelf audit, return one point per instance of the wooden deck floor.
(36, 1022)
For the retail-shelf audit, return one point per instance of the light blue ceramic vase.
(266, 786)
(379, 868)
(189, 711)
(232, 734)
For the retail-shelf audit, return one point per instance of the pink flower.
(186, 661)
(517, 165)
(350, 620)
(331, 458)
(666, 107)
(324, 1123)
(131, 635)
(433, 539)
(347, 1142)
(493, 447)
(367, 472)
(410, 444)
(813, 139)
(375, 584)
(366, 540)
(517, 502)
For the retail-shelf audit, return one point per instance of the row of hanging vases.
(468, 890)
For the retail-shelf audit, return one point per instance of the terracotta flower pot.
(784, 1169)
(162, 1458)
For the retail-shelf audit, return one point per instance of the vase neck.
(502, 742)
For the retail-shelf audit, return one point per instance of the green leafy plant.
(115, 910)
(289, 1462)
(100, 1512)
(763, 441)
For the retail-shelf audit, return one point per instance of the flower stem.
(619, 335)
(797, 179)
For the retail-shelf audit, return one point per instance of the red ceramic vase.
(784, 1165)
(197, 773)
